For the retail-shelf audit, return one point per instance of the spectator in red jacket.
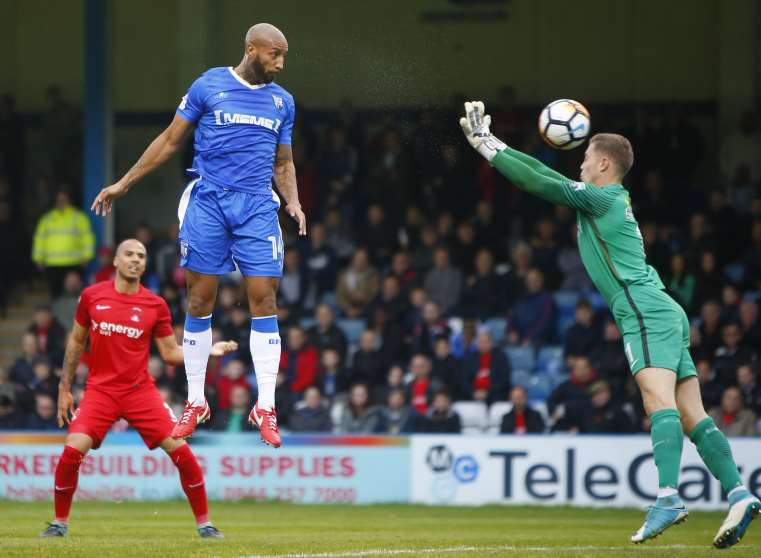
(106, 270)
(299, 362)
(233, 375)
(486, 373)
(420, 388)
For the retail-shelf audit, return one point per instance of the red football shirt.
(121, 327)
(483, 374)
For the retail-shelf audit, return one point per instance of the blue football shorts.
(221, 229)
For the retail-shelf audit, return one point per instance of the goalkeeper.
(655, 329)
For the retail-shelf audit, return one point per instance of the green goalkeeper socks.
(714, 449)
(666, 433)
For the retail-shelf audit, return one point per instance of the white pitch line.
(474, 549)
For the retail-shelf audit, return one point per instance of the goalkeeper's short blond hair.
(618, 148)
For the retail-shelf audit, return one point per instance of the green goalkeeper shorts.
(655, 330)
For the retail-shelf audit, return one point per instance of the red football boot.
(190, 418)
(266, 422)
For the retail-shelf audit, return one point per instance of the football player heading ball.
(228, 213)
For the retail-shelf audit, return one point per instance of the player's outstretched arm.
(171, 351)
(75, 346)
(160, 150)
(531, 176)
(535, 164)
(476, 124)
(285, 180)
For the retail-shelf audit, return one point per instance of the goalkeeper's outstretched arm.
(530, 179)
(534, 164)
(526, 172)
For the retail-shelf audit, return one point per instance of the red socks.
(66, 477)
(191, 478)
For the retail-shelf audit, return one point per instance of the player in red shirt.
(121, 317)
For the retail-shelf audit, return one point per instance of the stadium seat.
(560, 378)
(455, 324)
(550, 360)
(735, 272)
(566, 310)
(329, 298)
(562, 323)
(520, 377)
(566, 301)
(335, 414)
(751, 296)
(629, 409)
(497, 328)
(302, 404)
(520, 357)
(540, 387)
(597, 301)
(541, 408)
(353, 329)
(306, 323)
(473, 416)
(496, 412)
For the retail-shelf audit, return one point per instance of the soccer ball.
(564, 124)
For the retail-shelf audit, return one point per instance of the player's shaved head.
(131, 243)
(130, 260)
(264, 54)
(265, 34)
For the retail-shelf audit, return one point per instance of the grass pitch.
(106, 530)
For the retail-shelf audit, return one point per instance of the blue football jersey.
(238, 129)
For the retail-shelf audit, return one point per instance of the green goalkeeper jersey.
(610, 242)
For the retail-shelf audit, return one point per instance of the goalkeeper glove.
(475, 126)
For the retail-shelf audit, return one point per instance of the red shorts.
(142, 407)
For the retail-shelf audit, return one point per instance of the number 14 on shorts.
(277, 246)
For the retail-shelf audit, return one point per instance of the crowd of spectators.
(429, 286)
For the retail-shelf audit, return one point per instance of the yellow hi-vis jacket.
(63, 237)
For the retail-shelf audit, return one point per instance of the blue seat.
(306, 323)
(329, 298)
(597, 301)
(540, 387)
(496, 327)
(521, 358)
(353, 329)
(560, 378)
(521, 378)
(550, 359)
(563, 323)
(566, 301)
(566, 310)
(735, 272)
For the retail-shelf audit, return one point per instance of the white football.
(564, 124)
